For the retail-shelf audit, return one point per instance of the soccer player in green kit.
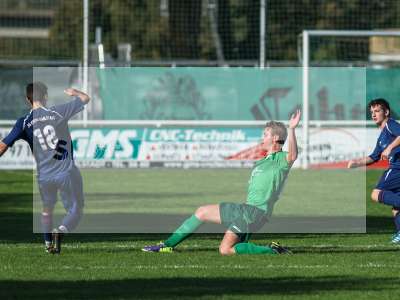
(265, 185)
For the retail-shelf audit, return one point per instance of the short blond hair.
(279, 129)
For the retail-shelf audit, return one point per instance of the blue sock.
(47, 223)
(47, 238)
(389, 198)
(397, 220)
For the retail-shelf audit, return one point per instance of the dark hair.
(36, 91)
(279, 129)
(379, 101)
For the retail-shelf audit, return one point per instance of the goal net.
(367, 57)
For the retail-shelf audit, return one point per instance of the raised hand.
(385, 154)
(74, 92)
(71, 92)
(295, 119)
(352, 164)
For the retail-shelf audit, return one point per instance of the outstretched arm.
(365, 161)
(3, 148)
(81, 95)
(361, 162)
(292, 152)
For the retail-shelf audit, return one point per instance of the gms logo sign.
(144, 144)
(106, 143)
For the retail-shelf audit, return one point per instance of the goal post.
(307, 35)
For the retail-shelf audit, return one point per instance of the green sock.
(187, 228)
(250, 248)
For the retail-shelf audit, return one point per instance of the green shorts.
(242, 219)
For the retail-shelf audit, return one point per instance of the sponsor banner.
(106, 144)
(194, 147)
(204, 93)
(126, 147)
(207, 93)
(327, 145)
(332, 145)
(17, 157)
(145, 144)
(165, 164)
(188, 144)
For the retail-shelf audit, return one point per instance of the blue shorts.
(68, 184)
(390, 181)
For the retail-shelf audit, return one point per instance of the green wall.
(241, 93)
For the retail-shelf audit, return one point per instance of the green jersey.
(266, 181)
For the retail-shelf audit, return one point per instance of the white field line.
(198, 267)
(134, 246)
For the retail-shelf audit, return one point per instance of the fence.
(188, 32)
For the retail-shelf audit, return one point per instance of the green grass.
(111, 266)
(171, 191)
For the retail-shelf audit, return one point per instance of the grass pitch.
(111, 266)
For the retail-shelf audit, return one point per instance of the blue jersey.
(46, 131)
(388, 134)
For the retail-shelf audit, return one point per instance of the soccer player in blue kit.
(387, 191)
(47, 133)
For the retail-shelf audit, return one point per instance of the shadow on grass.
(16, 223)
(380, 224)
(192, 287)
(345, 250)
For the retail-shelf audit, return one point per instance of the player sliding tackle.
(265, 185)
(387, 191)
(47, 133)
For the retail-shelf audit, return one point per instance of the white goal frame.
(306, 35)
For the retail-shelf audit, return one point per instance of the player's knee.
(47, 218)
(375, 195)
(224, 250)
(47, 210)
(200, 213)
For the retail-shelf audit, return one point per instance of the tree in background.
(286, 19)
(184, 28)
(184, 32)
(66, 31)
(239, 28)
(122, 21)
